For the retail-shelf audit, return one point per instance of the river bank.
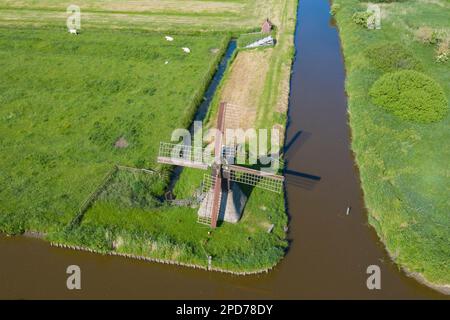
(402, 163)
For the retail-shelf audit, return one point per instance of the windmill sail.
(222, 170)
(259, 179)
(181, 155)
(217, 195)
(216, 172)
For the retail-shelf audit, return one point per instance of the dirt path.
(243, 88)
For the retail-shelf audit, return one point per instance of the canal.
(330, 249)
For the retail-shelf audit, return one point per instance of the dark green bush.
(391, 56)
(361, 17)
(410, 95)
(134, 189)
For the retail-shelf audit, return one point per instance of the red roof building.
(266, 26)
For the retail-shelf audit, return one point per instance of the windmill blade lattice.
(181, 155)
(267, 181)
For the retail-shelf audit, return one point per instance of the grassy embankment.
(402, 149)
(127, 216)
(67, 100)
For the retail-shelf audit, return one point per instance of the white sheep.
(73, 31)
(187, 50)
(168, 38)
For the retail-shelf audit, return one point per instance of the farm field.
(66, 101)
(186, 16)
(74, 107)
(403, 156)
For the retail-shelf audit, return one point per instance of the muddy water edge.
(330, 249)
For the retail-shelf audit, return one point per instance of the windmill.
(223, 196)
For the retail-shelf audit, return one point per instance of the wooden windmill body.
(223, 200)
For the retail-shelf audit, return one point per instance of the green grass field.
(67, 100)
(404, 165)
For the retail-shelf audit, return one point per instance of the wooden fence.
(87, 203)
(164, 261)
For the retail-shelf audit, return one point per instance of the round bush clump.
(383, 1)
(410, 95)
(391, 56)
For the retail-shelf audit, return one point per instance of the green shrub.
(410, 95)
(334, 8)
(391, 56)
(383, 1)
(8, 224)
(361, 17)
